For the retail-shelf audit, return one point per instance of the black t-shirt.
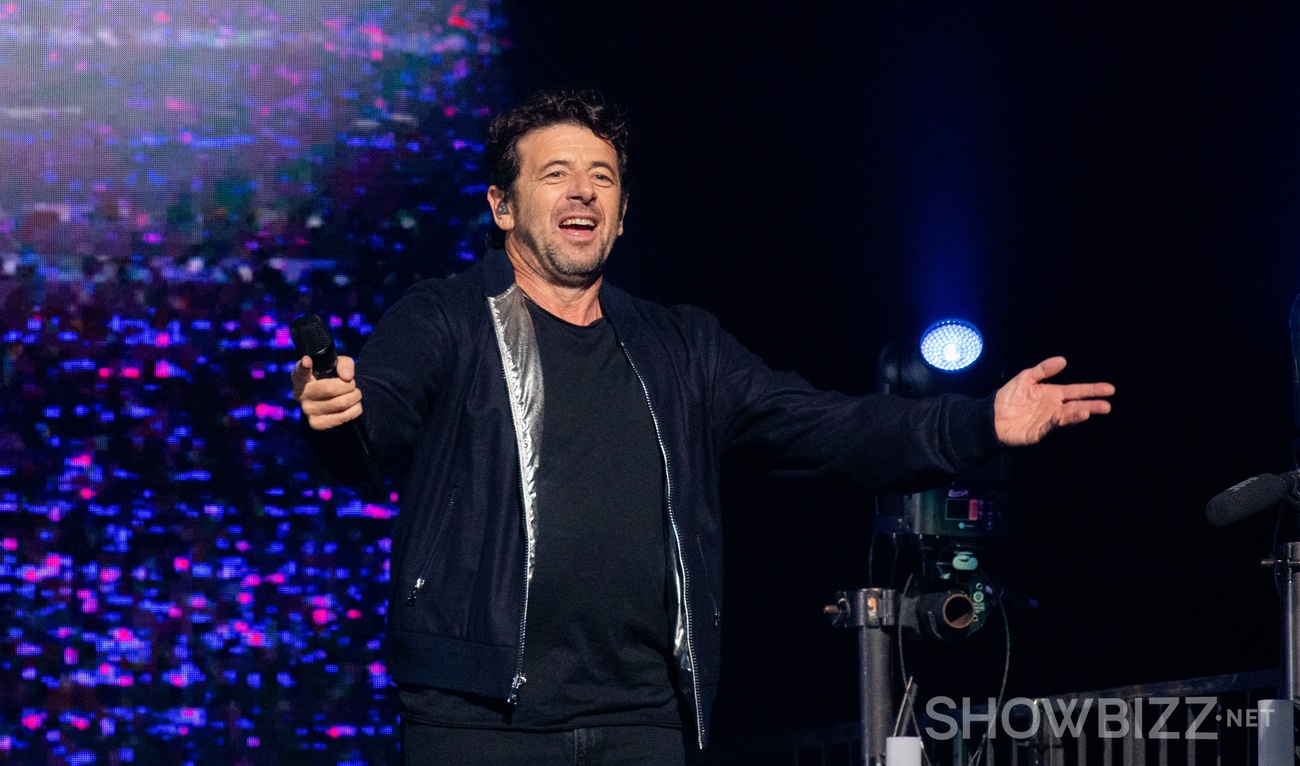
(598, 644)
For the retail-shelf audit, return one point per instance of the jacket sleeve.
(399, 371)
(779, 421)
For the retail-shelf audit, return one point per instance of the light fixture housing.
(951, 345)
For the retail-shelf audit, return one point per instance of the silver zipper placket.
(517, 416)
(681, 561)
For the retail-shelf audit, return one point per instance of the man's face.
(565, 209)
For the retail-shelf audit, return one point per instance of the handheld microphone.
(1258, 493)
(311, 337)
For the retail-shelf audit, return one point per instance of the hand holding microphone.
(323, 382)
(325, 387)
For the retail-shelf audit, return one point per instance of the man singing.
(556, 565)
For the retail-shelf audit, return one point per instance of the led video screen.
(178, 181)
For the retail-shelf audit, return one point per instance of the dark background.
(1116, 185)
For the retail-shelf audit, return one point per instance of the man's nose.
(581, 188)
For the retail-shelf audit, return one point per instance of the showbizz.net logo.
(1198, 718)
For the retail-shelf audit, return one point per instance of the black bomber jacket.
(452, 392)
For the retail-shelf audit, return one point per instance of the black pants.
(597, 746)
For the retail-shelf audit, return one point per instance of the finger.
(1078, 412)
(328, 388)
(1076, 391)
(347, 401)
(1046, 369)
(322, 422)
(333, 405)
(345, 368)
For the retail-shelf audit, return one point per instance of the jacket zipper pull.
(519, 680)
(419, 583)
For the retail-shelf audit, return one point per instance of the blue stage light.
(951, 345)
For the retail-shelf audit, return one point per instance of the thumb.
(1047, 368)
(301, 376)
(302, 370)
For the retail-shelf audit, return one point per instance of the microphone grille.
(310, 335)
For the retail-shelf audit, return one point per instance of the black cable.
(902, 599)
(902, 666)
(1006, 672)
(1006, 669)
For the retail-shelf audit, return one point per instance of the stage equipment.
(951, 345)
(881, 616)
(969, 509)
(1247, 498)
(903, 751)
(950, 601)
(1274, 743)
(942, 358)
(1286, 573)
(1259, 493)
(874, 613)
(946, 357)
(1295, 382)
(948, 598)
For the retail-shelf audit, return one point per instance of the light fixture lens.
(951, 345)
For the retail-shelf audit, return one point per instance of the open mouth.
(578, 225)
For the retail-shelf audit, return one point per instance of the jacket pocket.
(708, 582)
(417, 585)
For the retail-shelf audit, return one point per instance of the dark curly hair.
(546, 108)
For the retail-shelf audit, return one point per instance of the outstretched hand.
(1026, 409)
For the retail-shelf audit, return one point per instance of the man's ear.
(622, 213)
(500, 206)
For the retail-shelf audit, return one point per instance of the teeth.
(577, 222)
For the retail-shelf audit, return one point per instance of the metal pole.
(1288, 575)
(874, 612)
(1277, 742)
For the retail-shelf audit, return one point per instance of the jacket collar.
(498, 274)
(615, 303)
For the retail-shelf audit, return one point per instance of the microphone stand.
(1286, 572)
(1277, 735)
(1286, 575)
(1286, 558)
